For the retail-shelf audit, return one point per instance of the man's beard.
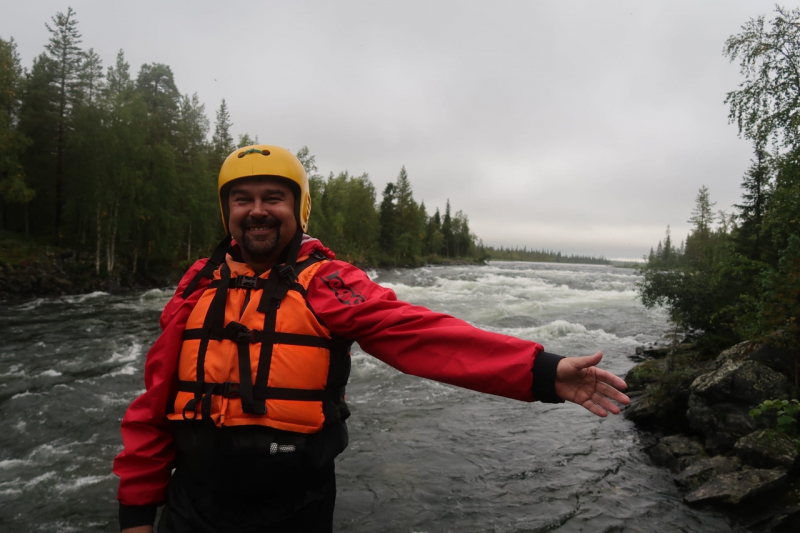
(261, 249)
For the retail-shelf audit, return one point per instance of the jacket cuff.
(136, 515)
(544, 377)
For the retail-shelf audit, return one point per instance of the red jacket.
(410, 338)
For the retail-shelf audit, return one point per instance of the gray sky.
(584, 127)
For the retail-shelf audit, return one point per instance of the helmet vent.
(252, 151)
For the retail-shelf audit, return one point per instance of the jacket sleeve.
(420, 342)
(145, 463)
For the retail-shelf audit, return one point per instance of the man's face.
(261, 219)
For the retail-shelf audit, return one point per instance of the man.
(245, 386)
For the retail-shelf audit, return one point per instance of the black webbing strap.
(231, 389)
(281, 279)
(239, 333)
(257, 283)
(212, 264)
(271, 298)
(252, 282)
(214, 320)
(249, 405)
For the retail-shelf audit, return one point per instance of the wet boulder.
(658, 410)
(704, 469)
(736, 487)
(768, 449)
(661, 456)
(736, 353)
(644, 374)
(675, 452)
(747, 382)
(722, 424)
(681, 446)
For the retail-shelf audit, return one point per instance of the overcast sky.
(584, 127)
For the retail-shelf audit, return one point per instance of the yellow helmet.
(264, 160)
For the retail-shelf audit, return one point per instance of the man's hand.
(579, 381)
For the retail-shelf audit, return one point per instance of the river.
(423, 457)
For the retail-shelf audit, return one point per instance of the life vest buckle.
(244, 335)
(230, 389)
(246, 282)
(287, 273)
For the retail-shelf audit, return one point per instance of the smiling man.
(245, 386)
(261, 219)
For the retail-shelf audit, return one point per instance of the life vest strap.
(231, 389)
(212, 264)
(252, 282)
(238, 333)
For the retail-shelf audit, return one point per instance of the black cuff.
(544, 377)
(136, 515)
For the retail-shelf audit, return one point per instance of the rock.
(645, 374)
(705, 468)
(768, 449)
(661, 456)
(784, 519)
(735, 353)
(659, 410)
(721, 424)
(746, 382)
(681, 446)
(657, 352)
(736, 487)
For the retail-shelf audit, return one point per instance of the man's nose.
(259, 209)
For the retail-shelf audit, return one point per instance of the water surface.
(423, 457)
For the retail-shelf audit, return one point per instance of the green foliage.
(765, 105)
(741, 278)
(786, 413)
(13, 183)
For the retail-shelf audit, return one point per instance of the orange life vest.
(254, 353)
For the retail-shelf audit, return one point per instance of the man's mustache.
(266, 221)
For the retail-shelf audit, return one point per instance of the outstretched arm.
(578, 380)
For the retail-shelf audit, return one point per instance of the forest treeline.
(541, 256)
(737, 275)
(122, 167)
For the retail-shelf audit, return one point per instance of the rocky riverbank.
(698, 408)
(66, 272)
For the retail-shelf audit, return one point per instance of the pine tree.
(409, 226)
(756, 187)
(64, 51)
(38, 122)
(388, 223)
(698, 245)
(668, 253)
(448, 244)
(222, 141)
(14, 187)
